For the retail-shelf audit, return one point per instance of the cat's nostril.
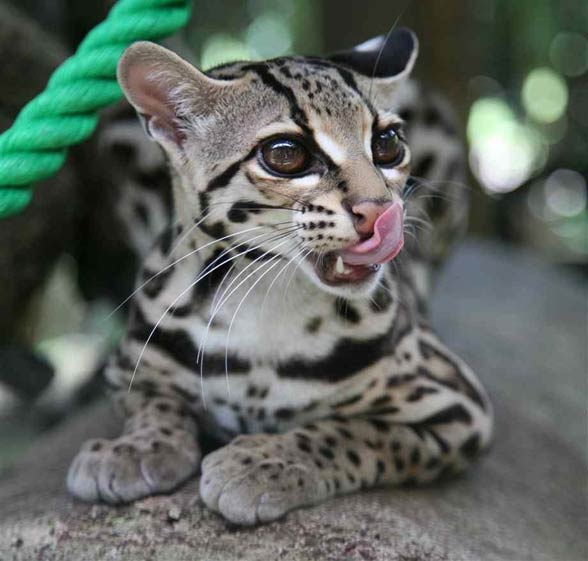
(365, 214)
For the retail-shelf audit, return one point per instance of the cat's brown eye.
(285, 156)
(387, 148)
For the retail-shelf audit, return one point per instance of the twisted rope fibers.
(65, 113)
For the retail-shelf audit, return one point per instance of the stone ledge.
(518, 322)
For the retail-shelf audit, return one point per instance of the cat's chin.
(330, 273)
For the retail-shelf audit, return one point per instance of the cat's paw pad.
(258, 479)
(132, 466)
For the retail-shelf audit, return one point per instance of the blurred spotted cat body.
(285, 310)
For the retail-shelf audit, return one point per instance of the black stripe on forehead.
(346, 75)
(296, 112)
(278, 87)
(224, 178)
(348, 78)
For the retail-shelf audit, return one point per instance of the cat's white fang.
(339, 267)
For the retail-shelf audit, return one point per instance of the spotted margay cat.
(284, 311)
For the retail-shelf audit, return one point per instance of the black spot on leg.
(330, 441)
(349, 401)
(344, 433)
(455, 413)
(182, 392)
(377, 445)
(380, 425)
(415, 456)
(326, 453)
(428, 352)
(353, 457)
(382, 400)
(399, 463)
(471, 447)
(303, 446)
(395, 446)
(284, 413)
(419, 392)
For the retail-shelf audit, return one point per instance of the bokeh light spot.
(504, 153)
(269, 36)
(545, 95)
(220, 48)
(568, 53)
(565, 193)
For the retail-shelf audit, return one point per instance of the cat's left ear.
(390, 57)
(169, 94)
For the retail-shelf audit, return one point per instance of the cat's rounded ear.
(389, 56)
(166, 91)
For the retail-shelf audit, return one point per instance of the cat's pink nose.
(365, 214)
(385, 240)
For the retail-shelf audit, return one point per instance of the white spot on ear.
(373, 44)
(330, 147)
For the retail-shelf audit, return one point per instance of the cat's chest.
(257, 320)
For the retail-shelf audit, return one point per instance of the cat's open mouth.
(332, 270)
(359, 261)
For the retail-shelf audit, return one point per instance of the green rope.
(35, 147)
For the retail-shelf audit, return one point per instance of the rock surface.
(520, 323)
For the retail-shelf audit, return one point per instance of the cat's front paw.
(133, 466)
(259, 478)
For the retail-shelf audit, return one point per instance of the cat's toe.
(255, 484)
(128, 468)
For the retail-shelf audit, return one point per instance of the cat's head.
(301, 158)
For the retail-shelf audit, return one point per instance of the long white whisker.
(222, 300)
(170, 265)
(239, 307)
(290, 261)
(190, 286)
(193, 252)
(301, 259)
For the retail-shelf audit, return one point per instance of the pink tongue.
(385, 243)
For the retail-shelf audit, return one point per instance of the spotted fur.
(319, 389)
